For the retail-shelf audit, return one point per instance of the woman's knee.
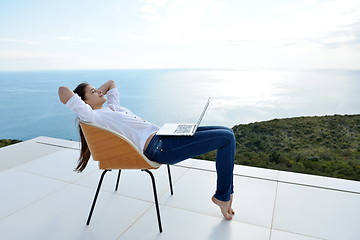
(229, 129)
(228, 133)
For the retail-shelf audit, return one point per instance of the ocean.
(30, 106)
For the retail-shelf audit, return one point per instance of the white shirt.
(114, 117)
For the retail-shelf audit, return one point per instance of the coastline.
(319, 145)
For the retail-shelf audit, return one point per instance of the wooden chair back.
(114, 151)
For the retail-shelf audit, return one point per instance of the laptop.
(182, 129)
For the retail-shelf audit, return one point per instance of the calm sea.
(30, 106)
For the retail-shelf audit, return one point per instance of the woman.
(87, 102)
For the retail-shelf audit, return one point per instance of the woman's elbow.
(111, 84)
(65, 94)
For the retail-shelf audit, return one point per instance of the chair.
(114, 151)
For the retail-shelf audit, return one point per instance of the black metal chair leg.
(155, 197)
(96, 196)
(117, 181)
(170, 181)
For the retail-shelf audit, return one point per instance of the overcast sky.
(230, 34)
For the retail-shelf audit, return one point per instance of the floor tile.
(253, 198)
(63, 215)
(23, 152)
(59, 165)
(255, 172)
(181, 224)
(280, 235)
(20, 189)
(325, 182)
(193, 192)
(2, 167)
(240, 170)
(317, 212)
(204, 164)
(58, 142)
(187, 163)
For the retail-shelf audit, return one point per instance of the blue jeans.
(174, 149)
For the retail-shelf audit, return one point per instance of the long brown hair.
(85, 151)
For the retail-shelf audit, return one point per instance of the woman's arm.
(107, 86)
(65, 94)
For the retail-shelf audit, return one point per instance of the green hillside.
(327, 146)
(5, 142)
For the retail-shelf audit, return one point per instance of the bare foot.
(225, 207)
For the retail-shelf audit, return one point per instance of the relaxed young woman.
(87, 102)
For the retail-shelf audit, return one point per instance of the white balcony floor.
(42, 198)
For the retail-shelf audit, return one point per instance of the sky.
(142, 34)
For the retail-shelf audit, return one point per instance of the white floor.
(42, 198)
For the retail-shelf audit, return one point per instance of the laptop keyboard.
(184, 128)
